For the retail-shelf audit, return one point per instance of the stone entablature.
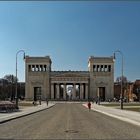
(93, 59)
(38, 59)
(54, 85)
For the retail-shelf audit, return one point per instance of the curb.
(23, 115)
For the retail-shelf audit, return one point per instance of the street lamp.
(121, 96)
(16, 95)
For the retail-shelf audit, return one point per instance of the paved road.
(68, 121)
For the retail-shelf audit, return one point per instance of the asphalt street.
(68, 121)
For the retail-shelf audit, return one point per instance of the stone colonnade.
(37, 68)
(82, 93)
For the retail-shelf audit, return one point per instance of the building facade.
(43, 83)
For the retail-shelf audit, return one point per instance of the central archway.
(73, 91)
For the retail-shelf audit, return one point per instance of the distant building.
(127, 91)
(117, 90)
(42, 82)
(136, 89)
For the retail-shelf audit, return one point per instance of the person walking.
(89, 105)
(47, 102)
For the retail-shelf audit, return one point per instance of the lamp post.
(121, 96)
(16, 94)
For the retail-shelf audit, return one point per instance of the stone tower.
(37, 77)
(101, 71)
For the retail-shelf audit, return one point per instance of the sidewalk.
(124, 115)
(24, 112)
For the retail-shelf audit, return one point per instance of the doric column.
(74, 91)
(52, 90)
(57, 91)
(35, 68)
(44, 68)
(32, 68)
(64, 92)
(81, 91)
(86, 91)
(40, 67)
(99, 68)
(104, 67)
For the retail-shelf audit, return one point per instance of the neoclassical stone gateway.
(42, 82)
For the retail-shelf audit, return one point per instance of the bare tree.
(4, 89)
(121, 79)
(11, 78)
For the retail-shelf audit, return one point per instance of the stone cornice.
(70, 74)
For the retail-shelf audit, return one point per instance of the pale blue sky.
(70, 32)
